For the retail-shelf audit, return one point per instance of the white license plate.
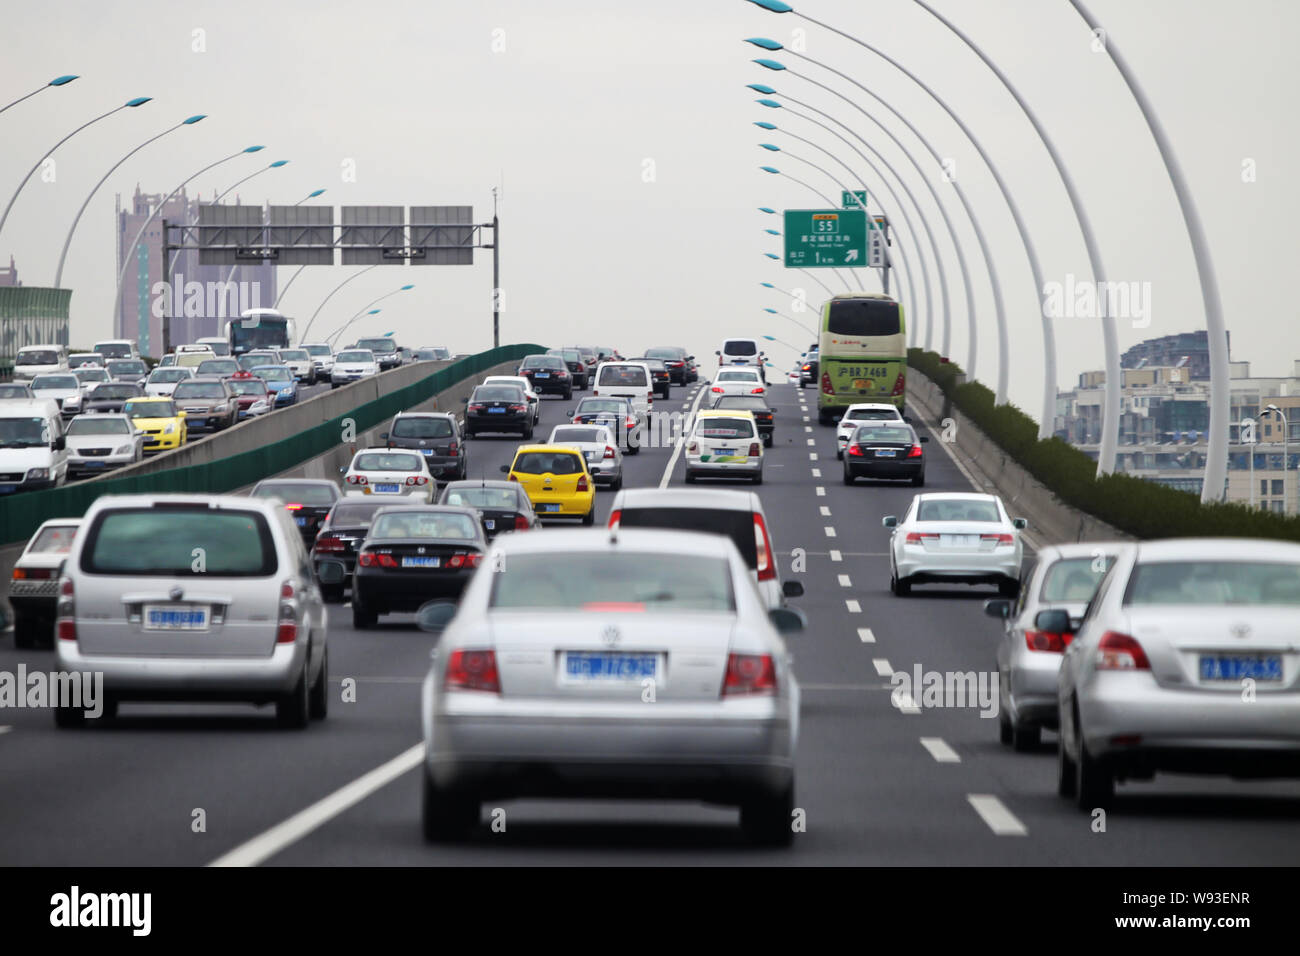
(959, 540)
(421, 562)
(386, 489)
(167, 617)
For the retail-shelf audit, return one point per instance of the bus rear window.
(863, 317)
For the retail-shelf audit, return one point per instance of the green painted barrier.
(21, 514)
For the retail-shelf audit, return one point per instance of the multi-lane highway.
(879, 784)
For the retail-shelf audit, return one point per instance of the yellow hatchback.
(556, 480)
(161, 421)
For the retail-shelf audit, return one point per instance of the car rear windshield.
(742, 401)
(425, 524)
(317, 349)
(113, 350)
(575, 433)
(497, 499)
(416, 427)
(150, 409)
(622, 375)
(958, 509)
(98, 425)
(88, 374)
(626, 581)
(542, 361)
(1075, 579)
(861, 317)
(355, 514)
(737, 375)
(383, 461)
(378, 345)
(56, 539)
(871, 415)
(180, 541)
(739, 347)
(734, 524)
(24, 432)
(1214, 583)
(664, 353)
(199, 390)
(299, 492)
(590, 406)
(542, 462)
(218, 367)
(869, 433)
(724, 428)
(15, 391)
(42, 357)
(497, 393)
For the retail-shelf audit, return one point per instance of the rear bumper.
(406, 591)
(749, 466)
(883, 469)
(552, 387)
(1031, 686)
(990, 567)
(500, 423)
(183, 678)
(577, 506)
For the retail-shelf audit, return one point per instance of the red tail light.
(473, 670)
(286, 631)
(757, 391)
(453, 449)
(749, 674)
(65, 625)
(473, 408)
(754, 449)
(376, 559)
(914, 452)
(355, 479)
(631, 422)
(1048, 641)
(898, 385)
(826, 384)
(916, 537)
(856, 451)
(417, 480)
(582, 484)
(609, 451)
(456, 560)
(33, 574)
(615, 517)
(766, 562)
(330, 543)
(577, 419)
(1119, 652)
(716, 388)
(519, 408)
(806, 368)
(999, 538)
(521, 523)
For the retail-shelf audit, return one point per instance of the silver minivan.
(194, 598)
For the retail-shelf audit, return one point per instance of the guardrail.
(257, 453)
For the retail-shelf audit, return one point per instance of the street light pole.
(331, 295)
(57, 81)
(1286, 453)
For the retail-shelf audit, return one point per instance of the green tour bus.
(863, 353)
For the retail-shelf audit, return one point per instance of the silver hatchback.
(193, 597)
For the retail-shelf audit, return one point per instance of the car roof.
(544, 447)
(213, 379)
(955, 495)
(14, 407)
(235, 502)
(600, 539)
(381, 449)
(1223, 549)
(423, 415)
(1081, 549)
(715, 499)
(723, 413)
(873, 407)
(296, 481)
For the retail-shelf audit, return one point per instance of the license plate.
(886, 452)
(490, 524)
(385, 489)
(724, 451)
(161, 617)
(541, 375)
(548, 507)
(959, 540)
(302, 522)
(605, 666)
(421, 562)
(1235, 667)
(7, 489)
(426, 451)
(93, 464)
(496, 411)
(862, 383)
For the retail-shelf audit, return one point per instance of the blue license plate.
(409, 562)
(496, 411)
(541, 375)
(93, 464)
(886, 453)
(1235, 667)
(161, 618)
(302, 522)
(490, 524)
(548, 507)
(602, 666)
(7, 489)
(386, 489)
(426, 451)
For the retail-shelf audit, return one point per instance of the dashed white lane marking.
(806, 418)
(845, 582)
(821, 492)
(812, 455)
(826, 512)
(807, 428)
(939, 750)
(994, 812)
(853, 606)
(5, 729)
(677, 448)
(865, 635)
(812, 442)
(816, 472)
(882, 667)
(830, 532)
(836, 556)
(271, 842)
(904, 702)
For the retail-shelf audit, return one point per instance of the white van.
(220, 347)
(32, 448)
(742, 352)
(37, 359)
(191, 356)
(116, 348)
(630, 380)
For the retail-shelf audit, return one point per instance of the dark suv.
(386, 351)
(309, 500)
(547, 373)
(436, 436)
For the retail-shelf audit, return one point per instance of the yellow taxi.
(556, 480)
(161, 421)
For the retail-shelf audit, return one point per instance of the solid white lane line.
(830, 532)
(882, 667)
(826, 512)
(282, 835)
(865, 635)
(853, 606)
(677, 448)
(940, 750)
(993, 812)
(821, 492)
(836, 556)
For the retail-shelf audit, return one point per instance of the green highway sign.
(848, 202)
(824, 238)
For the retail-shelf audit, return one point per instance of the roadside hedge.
(1142, 508)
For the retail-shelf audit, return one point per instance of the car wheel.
(766, 818)
(568, 393)
(616, 484)
(331, 593)
(1009, 588)
(919, 481)
(528, 433)
(824, 419)
(901, 586)
(758, 479)
(590, 517)
(848, 477)
(1025, 738)
(803, 384)
(334, 384)
(292, 711)
(1005, 731)
(1094, 784)
(1065, 780)
(362, 616)
(318, 704)
(446, 816)
(839, 454)
(767, 439)
(634, 449)
(690, 477)
(24, 632)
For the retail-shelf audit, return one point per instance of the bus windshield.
(258, 332)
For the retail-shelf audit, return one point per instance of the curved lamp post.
(57, 81)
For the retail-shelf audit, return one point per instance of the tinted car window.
(658, 582)
(355, 514)
(724, 428)
(54, 381)
(98, 425)
(870, 433)
(381, 461)
(1214, 583)
(541, 462)
(958, 510)
(589, 405)
(150, 409)
(1074, 579)
(162, 541)
(114, 391)
(56, 539)
(576, 433)
(871, 415)
(737, 375)
(361, 357)
(497, 393)
(302, 493)
(42, 357)
(245, 387)
(861, 317)
(413, 427)
(740, 348)
(622, 375)
(169, 375)
(736, 525)
(199, 390)
(500, 499)
(378, 345)
(424, 524)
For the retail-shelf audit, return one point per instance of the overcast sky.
(621, 136)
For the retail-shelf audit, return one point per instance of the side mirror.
(792, 588)
(908, 419)
(998, 607)
(717, 352)
(787, 620)
(60, 443)
(1019, 523)
(343, 469)
(505, 469)
(1054, 622)
(924, 439)
(690, 358)
(889, 521)
(569, 413)
(435, 616)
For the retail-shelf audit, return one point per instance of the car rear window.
(169, 375)
(1216, 583)
(378, 345)
(622, 375)
(55, 381)
(361, 357)
(300, 492)
(543, 361)
(413, 427)
(425, 524)
(180, 541)
(724, 428)
(37, 358)
(871, 415)
(870, 433)
(861, 317)
(734, 524)
(380, 461)
(355, 514)
(958, 509)
(114, 391)
(592, 406)
(497, 499)
(542, 462)
(739, 347)
(737, 375)
(1075, 579)
(497, 393)
(98, 425)
(575, 433)
(742, 401)
(625, 581)
(218, 367)
(56, 539)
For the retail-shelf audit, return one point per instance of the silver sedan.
(1188, 661)
(637, 663)
(599, 446)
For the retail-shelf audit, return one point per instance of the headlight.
(170, 429)
(221, 407)
(36, 474)
(124, 450)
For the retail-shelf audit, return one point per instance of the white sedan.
(352, 365)
(858, 414)
(642, 664)
(738, 381)
(534, 400)
(389, 473)
(163, 381)
(59, 387)
(958, 538)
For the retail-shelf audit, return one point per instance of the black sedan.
(110, 397)
(336, 542)
(757, 404)
(660, 375)
(548, 374)
(577, 365)
(498, 408)
(675, 357)
(885, 450)
(413, 555)
(504, 505)
(808, 370)
(309, 500)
